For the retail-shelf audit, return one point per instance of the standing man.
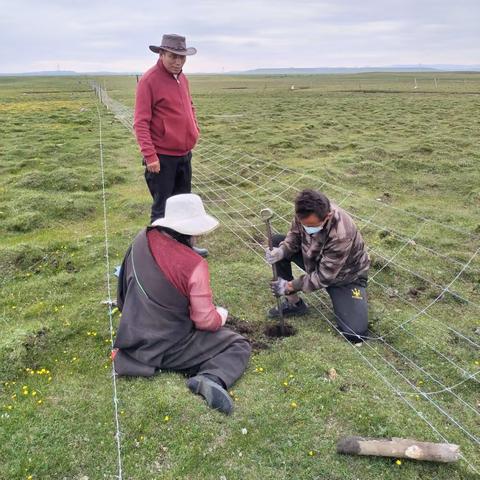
(165, 124)
(323, 241)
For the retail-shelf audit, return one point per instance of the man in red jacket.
(165, 124)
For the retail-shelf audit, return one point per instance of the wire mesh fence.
(420, 290)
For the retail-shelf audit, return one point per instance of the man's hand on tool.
(274, 255)
(280, 287)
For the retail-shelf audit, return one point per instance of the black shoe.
(215, 396)
(203, 252)
(289, 309)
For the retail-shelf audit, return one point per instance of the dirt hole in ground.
(274, 330)
(259, 336)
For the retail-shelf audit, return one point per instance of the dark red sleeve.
(202, 310)
(142, 120)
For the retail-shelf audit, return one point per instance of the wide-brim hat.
(186, 214)
(175, 44)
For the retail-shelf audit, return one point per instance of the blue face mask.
(312, 230)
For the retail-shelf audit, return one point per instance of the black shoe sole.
(215, 396)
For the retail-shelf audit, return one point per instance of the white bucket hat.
(186, 214)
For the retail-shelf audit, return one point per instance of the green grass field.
(403, 161)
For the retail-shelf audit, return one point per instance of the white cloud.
(82, 35)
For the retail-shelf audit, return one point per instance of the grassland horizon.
(399, 151)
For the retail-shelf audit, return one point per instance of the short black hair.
(310, 201)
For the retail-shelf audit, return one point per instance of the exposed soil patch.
(259, 336)
(34, 343)
(35, 339)
(416, 291)
(258, 239)
(274, 330)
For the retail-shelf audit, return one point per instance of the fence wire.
(415, 287)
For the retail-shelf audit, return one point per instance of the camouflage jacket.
(334, 256)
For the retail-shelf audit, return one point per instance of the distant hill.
(56, 73)
(65, 73)
(277, 71)
(350, 70)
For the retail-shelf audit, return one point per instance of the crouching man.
(323, 241)
(168, 318)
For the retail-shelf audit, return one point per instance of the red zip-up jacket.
(164, 121)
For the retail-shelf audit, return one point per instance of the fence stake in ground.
(266, 215)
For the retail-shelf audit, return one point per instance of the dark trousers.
(349, 301)
(175, 177)
(223, 353)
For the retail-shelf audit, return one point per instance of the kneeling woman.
(168, 319)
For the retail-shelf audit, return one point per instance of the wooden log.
(399, 448)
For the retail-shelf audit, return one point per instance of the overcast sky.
(85, 35)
